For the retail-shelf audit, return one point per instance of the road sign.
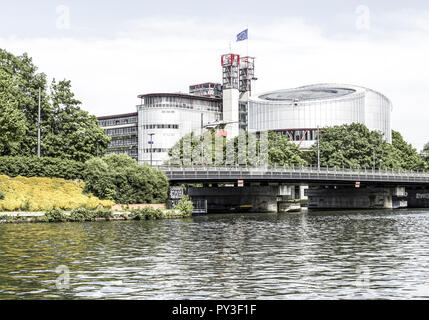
(240, 183)
(357, 184)
(150, 142)
(176, 193)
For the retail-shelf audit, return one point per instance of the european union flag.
(242, 35)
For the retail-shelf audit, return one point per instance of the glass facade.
(298, 114)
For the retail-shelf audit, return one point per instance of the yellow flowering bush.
(43, 194)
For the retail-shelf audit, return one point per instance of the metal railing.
(306, 172)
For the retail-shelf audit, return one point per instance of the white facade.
(230, 111)
(299, 112)
(170, 117)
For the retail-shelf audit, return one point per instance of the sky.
(113, 51)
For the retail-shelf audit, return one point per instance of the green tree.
(120, 178)
(425, 153)
(67, 131)
(27, 81)
(402, 155)
(12, 120)
(351, 145)
(73, 133)
(282, 152)
(356, 146)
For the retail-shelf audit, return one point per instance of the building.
(164, 118)
(208, 89)
(298, 113)
(122, 128)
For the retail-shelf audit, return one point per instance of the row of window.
(121, 131)
(123, 142)
(155, 150)
(131, 152)
(117, 122)
(216, 108)
(160, 126)
(298, 135)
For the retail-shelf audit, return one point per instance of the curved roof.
(315, 93)
(312, 92)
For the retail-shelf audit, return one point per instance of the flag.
(242, 35)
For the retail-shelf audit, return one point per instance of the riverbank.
(84, 215)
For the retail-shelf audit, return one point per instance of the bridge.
(326, 188)
(200, 174)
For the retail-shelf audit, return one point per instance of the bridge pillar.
(237, 199)
(418, 197)
(349, 197)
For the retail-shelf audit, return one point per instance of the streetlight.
(151, 146)
(318, 148)
(38, 123)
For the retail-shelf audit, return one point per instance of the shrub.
(185, 206)
(120, 178)
(44, 194)
(103, 213)
(146, 213)
(54, 215)
(41, 167)
(81, 215)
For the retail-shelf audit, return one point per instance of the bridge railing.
(302, 169)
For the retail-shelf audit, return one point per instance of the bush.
(185, 206)
(120, 178)
(81, 215)
(103, 213)
(146, 213)
(41, 167)
(44, 194)
(54, 215)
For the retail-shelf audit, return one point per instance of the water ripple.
(317, 255)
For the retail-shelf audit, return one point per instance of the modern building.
(122, 128)
(208, 89)
(164, 118)
(298, 113)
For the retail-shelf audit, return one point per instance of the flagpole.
(247, 28)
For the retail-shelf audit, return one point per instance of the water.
(316, 255)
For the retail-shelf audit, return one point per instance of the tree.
(425, 153)
(67, 131)
(352, 145)
(12, 120)
(402, 155)
(280, 150)
(73, 133)
(120, 178)
(27, 81)
(355, 146)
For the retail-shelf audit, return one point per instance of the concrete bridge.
(326, 188)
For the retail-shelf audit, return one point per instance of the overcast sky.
(114, 50)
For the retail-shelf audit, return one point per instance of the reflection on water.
(315, 255)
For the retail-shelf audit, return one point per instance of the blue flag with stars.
(243, 35)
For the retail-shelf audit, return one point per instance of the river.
(313, 255)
